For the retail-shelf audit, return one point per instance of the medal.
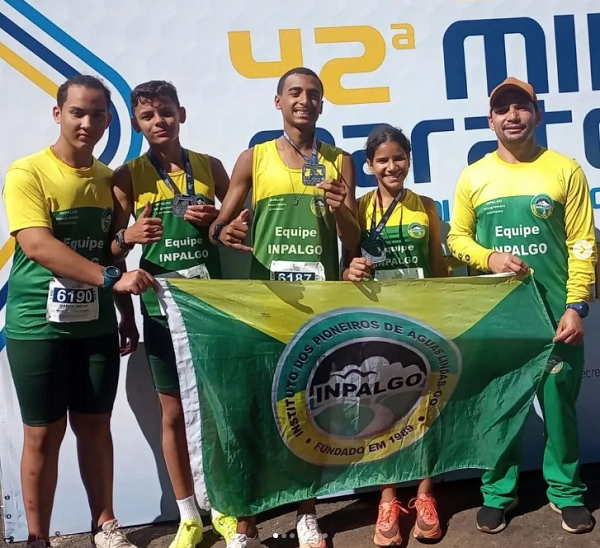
(373, 247)
(374, 250)
(181, 202)
(313, 174)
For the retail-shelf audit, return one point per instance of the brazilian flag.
(296, 390)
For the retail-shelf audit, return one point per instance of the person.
(61, 330)
(303, 197)
(526, 207)
(171, 191)
(400, 238)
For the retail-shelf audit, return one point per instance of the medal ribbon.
(314, 160)
(375, 232)
(189, 178)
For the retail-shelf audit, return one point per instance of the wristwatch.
(120, 238)
(217, 232)
(582, 308)
(111, 276)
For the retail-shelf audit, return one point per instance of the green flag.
(296, 390)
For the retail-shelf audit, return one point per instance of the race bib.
(198, 272)
(399, 274)
(70, 301)
(294, 271)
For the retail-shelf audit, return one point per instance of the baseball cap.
(512, 83)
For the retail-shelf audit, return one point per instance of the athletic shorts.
(55, 375)
(161, 354)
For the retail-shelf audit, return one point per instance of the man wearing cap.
(524, 206)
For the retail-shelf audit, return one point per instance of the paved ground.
(349, 522)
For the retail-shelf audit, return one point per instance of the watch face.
(581, 308)
(112, 271)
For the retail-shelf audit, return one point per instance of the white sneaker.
(39, 543)
(242, 541)
(111, 537)
(309, 534)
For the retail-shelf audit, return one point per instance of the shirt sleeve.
(463, 229)
(26, 206)
(579, 227)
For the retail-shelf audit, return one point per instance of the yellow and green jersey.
(536, 210)
(405, 235)
(41, 191)
(291, 221)
(184, 245)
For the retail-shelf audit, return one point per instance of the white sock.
(188, 509)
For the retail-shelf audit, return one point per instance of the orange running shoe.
(427, 526)
(387, 529)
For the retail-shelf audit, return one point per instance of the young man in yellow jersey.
(302, 200)
(61, 328)
(523, 207)
(171, 191)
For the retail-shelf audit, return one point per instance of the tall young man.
(523, 207)
(303, 198)
(62, 339)
(171, 191)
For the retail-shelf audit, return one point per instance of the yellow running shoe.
(226, 526)
(188, 535)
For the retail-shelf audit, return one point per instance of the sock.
(188, 509)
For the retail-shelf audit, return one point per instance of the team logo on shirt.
(542, 206)
(357, 385)
(555, 365)
(417, 231)
(106, 219)
(318, 206)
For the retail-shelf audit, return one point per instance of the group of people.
(519, 208)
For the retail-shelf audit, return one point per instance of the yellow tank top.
(292, 221)
(183, 245)
(405, 235)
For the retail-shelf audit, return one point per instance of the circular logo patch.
(555, 365)
(542, 206)
(318, 206)
(416, 230)
(106, 219)
(358, 385)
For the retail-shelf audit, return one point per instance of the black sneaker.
(576, 519)
(493, 520)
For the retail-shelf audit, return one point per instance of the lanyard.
(376, 231)
(312, 161)
(185, 157)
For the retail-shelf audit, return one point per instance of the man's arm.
(579, 227)
(462, 241)
(40, 245)
(31, 224)
(128, 333)
(220, 178)
(145, 230)
(340, 195)
(231, 214)
(436, 257)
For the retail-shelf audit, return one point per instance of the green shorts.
(161, 354)
(55, 375)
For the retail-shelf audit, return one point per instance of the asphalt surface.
(349, 522)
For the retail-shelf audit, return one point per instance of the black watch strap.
(217, 233)
(120, 238)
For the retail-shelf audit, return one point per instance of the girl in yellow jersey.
(400, 238)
